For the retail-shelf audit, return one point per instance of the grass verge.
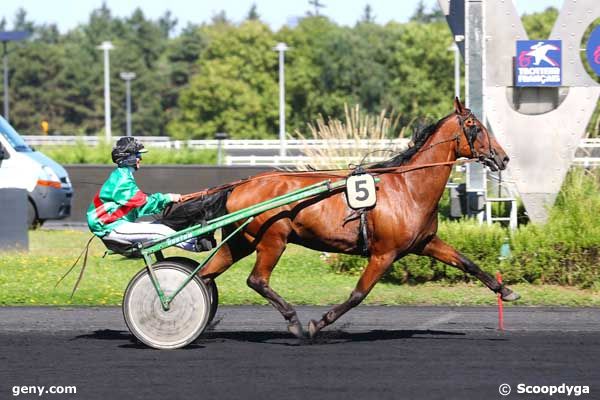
(28, 278)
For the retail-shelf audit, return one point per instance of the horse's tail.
(198, 210)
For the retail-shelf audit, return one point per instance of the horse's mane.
(419, 137)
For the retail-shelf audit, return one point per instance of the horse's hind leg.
(236, 249)
(375, 269)
(445, 253)
(268, 253)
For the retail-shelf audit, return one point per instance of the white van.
(48, 184)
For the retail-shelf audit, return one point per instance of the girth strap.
(363, 229)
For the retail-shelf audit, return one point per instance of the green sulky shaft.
(288, 198)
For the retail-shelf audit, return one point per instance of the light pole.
(5, 37)
(456, 50)
(106, 47)
(281, 48)
(128, 77)
(220, 136)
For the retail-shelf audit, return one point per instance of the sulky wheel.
(211, 285)
(188, 313)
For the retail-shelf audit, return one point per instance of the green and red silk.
(120, 200)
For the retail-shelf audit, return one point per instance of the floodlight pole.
(281, 48)
(5, 62)
(5, 37)
(456, 50)
(106, 47)
(456, 71)
(128, 77)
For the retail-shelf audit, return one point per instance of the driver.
(119, 203)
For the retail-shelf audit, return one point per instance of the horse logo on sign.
(540, 50)
(538, 63)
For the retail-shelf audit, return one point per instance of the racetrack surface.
(370, 353)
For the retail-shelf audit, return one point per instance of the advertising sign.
(593, 50)
(538, 63)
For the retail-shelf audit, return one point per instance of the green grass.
(28, 278)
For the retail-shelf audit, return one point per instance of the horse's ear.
(458, 106)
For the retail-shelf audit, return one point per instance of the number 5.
(360, 191)
(360, 186)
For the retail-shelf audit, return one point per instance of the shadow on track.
(106, 334)
(325, 337)
(285, 339)
(110, 334)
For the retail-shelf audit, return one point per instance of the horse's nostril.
(506, 159)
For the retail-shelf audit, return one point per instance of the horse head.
(475, 141)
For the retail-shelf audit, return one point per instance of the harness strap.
(334, 173)
(83, 253)
(363, 228)
(364, 238)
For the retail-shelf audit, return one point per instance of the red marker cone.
(500, 305)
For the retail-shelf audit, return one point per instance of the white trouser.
(143, 231)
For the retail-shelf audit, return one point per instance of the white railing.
(330, 162)
(237, 144)
(43, 140)
(591, 149)
(590, 142)
(587, 146)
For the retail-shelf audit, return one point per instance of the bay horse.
(404, 220)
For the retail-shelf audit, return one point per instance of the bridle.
(471, 130)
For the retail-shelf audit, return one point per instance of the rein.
(467, 124)
(393, 170)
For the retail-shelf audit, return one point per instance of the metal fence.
(588, 153)
(167, 142)
(266, 152)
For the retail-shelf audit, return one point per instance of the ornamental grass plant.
(358, 137)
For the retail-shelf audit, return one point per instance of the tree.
(235, 90)
(220, 18)
(223, 77)
(181, 60)
(423, 16)
(539, 25)
(21, 23)
(329, 66)
(252, 13)
(167, 24)
(368, 16)
(422, 80)
(60, 77)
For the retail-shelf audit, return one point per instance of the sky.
(67, 14)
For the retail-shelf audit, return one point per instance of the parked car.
(46, 181)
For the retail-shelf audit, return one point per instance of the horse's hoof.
(511, 296)
(312, 328)
(295, 328)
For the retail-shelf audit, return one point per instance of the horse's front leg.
(375, 269)
(445, 253)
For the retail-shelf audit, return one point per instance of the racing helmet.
(126, 152)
